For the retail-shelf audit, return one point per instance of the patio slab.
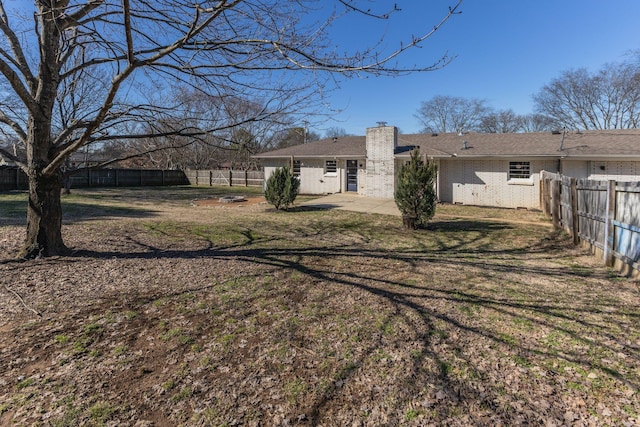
(354, 202)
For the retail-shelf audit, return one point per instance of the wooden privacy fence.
(603, 214)
(15, 179)
(12, 178)
(127, 178)
(239, 178)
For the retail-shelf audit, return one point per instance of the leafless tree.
(507, 121)
(289, 137)
(451, 114)
(82, 72)
(335, 132)
(237, 138)
(538, 123)
(503, 121)
(606, 99)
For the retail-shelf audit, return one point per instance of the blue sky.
(506, 50)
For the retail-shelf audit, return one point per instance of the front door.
(352, 175)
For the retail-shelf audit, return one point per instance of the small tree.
(282, 188)
(415, 193)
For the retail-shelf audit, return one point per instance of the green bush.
(415, 193)
(282, 188)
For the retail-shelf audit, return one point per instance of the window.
(330, 167)
(519, 170)
(296, 168)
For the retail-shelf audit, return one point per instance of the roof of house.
(344, 146)
(585, 144)
(601, 144)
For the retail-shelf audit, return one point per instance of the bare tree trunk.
(410, 222)
(44, 216)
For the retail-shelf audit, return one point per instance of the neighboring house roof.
(5, 161)
(600, 144)
(344, 146)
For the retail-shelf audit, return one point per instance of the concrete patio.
(354, 202)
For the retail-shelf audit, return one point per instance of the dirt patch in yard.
(257, 201)
(181, 316)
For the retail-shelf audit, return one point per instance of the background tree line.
(231, 149)
(578, 99)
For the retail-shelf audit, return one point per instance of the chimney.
(381, 144)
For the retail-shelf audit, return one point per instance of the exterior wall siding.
(485, 183)
(578, 169)
(313, 179)
(614, 170)
(624, 171)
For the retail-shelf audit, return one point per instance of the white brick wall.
(486, 183)
(313, 179)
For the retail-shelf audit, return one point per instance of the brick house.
(473, 168)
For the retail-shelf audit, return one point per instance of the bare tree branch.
(13, 125)
(18, 59)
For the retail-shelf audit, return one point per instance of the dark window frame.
(295, 170)
(330, 167)
(519, 170)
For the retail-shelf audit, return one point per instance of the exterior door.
(352, 175)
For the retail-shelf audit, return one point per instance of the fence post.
(575, 227)
(555, 200)
(546, 199)
(609, 226)
(230, 178)
(246, 178)
(541, 195)
(210, 178)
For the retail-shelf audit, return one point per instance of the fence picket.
(602, 214)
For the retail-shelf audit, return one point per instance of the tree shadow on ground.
(313, 208)
(417, 300)
(79, 212)
(413, 303)
(15, 212)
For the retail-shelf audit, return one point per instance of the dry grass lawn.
(173, 312)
